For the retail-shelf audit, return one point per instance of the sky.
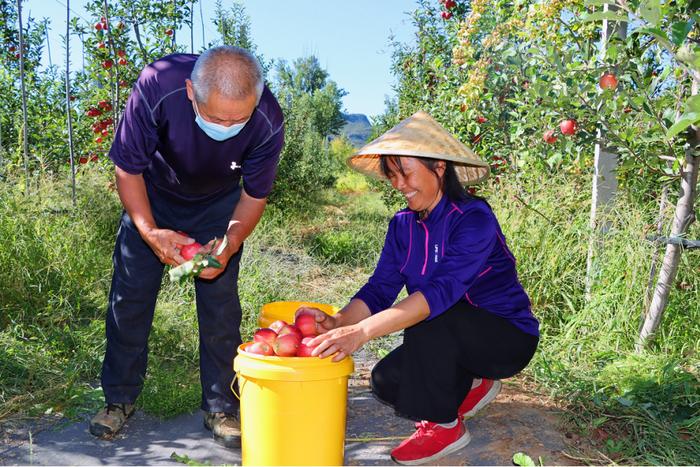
(349, 37)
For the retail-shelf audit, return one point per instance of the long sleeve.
(381, 290)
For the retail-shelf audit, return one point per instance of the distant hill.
(357, 129)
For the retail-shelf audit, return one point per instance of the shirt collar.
(437, 212)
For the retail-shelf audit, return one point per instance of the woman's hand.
(342, 341)
(166, 245)
(324, 321)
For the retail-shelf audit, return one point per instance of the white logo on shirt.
(436, 253)
(235, 166)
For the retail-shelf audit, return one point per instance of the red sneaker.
(479, 397)
(430, 442)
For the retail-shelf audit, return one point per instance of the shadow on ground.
(515, 422)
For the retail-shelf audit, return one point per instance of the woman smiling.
(467, 321)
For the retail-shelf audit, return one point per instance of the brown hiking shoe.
(109, 420)
(226, 428)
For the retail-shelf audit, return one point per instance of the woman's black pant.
(429, 375)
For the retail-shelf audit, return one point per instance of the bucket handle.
(233, 381)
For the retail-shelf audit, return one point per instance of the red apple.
(608, 81)
(122, 61)
(627, 110)
(83, 160)
(107, 64)
(259, 348)
(105, 132)
(120, 25)
(290, 329)
(188, 251)
(12, 48)
(549, 137)
(101, 45)
(306, 323)
(98, 140)
(93, 112)
(286, 345)
(480, 120)
(568, 127)
(121, 53)
(278, 325)
(305, 349)
(123, 83)
(93, 157)
(107, 121)
(98, 26)
(450, 4)
(446, 14)
(265, 335)
(168, 32)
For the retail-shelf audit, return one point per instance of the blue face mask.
(214, 130)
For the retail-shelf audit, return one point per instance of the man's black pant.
(429, 375)
(136, 281)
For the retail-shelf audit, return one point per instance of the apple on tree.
(568, 127)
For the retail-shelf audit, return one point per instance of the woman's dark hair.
(450, 182)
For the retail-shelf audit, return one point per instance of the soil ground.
(517, 421)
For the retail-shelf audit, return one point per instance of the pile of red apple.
(285, 340)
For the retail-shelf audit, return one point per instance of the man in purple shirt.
(193, 128)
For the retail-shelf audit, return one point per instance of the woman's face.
(419, 185)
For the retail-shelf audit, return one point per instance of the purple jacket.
(457, 253)
(158, 137)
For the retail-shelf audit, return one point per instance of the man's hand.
(166, 245)
(231, 249)
(342, 341)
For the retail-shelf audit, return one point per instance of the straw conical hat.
(420, 136)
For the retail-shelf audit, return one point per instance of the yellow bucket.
(293, 409)
(273, 311)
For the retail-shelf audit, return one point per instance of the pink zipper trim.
(466, 295)
(484, 271)
(505, 249)
(427, 235)
(410, 243)
(454, 206)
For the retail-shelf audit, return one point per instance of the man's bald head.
(232, 72)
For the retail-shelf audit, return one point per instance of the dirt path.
(516, 421)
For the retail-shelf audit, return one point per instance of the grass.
(636, 408)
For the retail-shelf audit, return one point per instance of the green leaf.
(680, 30)
(593, 3)
(523, 460)
(650, 10)
(656, 32)
(611, 52)
(601, 15)
(690, 55)
(683, 122)
(693, 104)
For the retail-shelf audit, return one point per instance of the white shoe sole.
(450, 448)
(487, 399)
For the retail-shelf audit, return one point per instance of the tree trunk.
(25, 125)
(683, 217)
(69, 118)
(604, 176)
